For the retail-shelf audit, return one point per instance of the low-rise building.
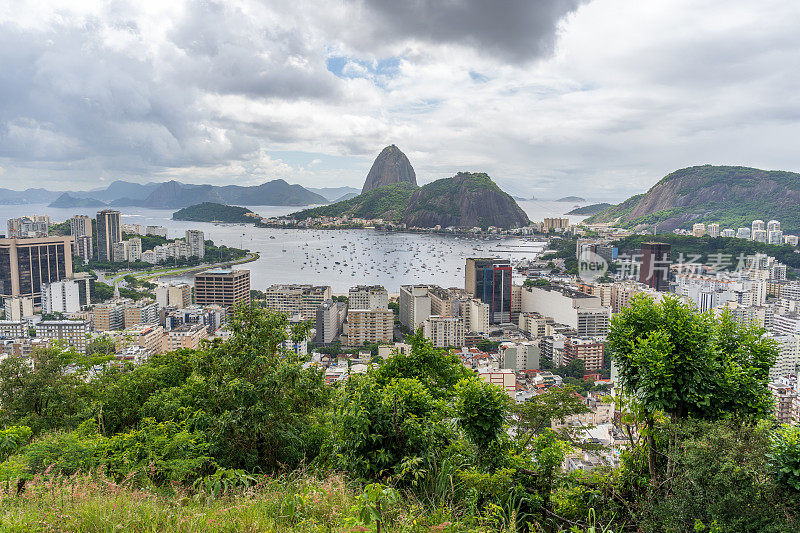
(521, 356)
(505, 378)
(109, 316)
(141, 312)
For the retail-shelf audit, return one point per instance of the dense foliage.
(387, 202)
(241, 435)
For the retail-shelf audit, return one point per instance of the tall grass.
(92, 503)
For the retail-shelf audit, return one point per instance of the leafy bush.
(784, 456)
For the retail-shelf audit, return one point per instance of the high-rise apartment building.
(476, 317)
(159, 231)
(178, 295)
(369, 326)
(712, 230)
(330, 317)
(294, 300)
(142, 312)
(759, 235)
(444, 331)
(699, 229)
(27, 264)
(28, 226)
(222, 286)
(368, 297)
(80, 227)
(414, 305)
(195, 240)
(775, 237)
(109, 316)
(84, 248)
(757, 225)
(109, 232)
(443, 301)
(68, 295)
(489, 280)
(654, 268)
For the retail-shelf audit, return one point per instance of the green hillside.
(590, 209)
(727, 195)
(387, 202)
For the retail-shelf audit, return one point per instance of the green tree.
(683, 363)
(573, 369)
(485, 345)
(536, 415)
(46, 391)
(102, 345)
(482, 410)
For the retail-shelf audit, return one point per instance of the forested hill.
(728, 195)
(466, 200)
(213, 212)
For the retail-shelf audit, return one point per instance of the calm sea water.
(337, 258)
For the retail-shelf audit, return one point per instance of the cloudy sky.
(592, 97)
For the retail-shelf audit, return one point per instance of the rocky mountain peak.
(390, 167)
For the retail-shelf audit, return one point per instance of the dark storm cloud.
(517, 30)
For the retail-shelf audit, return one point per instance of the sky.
(596, 98)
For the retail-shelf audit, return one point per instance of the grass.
(300, 503)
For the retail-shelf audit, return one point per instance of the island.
(589, 209)
(571, 199)
(213, 212)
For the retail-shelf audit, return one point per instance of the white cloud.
(603, 97)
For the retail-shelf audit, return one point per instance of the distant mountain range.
(727, 195)
(335, 194)
(174, 194)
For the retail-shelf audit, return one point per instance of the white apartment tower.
(195, 239)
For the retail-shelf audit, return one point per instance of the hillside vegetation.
(241, 435)
(387, 202)
(465, 200)
(728, 195)
(590, 209)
